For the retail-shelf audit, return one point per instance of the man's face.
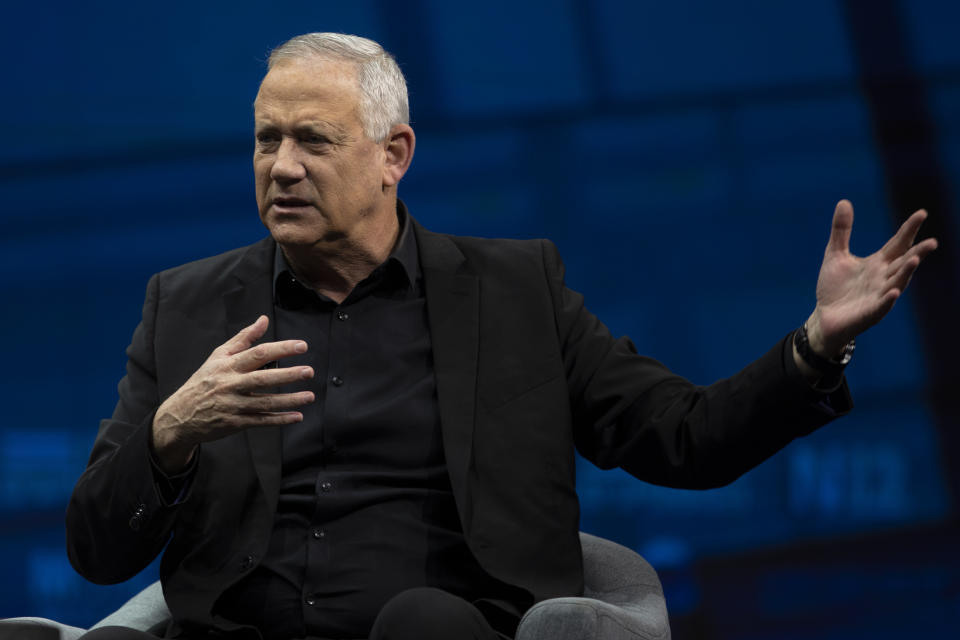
(319, 179)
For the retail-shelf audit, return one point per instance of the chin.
(298, 235)
(287, 232)
(290, 238)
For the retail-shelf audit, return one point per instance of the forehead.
(300, 86)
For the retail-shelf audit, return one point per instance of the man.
(359, 428)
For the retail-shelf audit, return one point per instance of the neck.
(334, 268)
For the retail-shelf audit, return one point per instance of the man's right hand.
(226, 395)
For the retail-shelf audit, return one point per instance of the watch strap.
(827, 366)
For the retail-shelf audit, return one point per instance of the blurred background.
(685, 156)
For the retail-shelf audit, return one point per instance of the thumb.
(841, 228)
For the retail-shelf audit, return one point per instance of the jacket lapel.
(252, 296)
(453, 310)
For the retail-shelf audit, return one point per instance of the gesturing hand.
(226, 395)
(854, 293)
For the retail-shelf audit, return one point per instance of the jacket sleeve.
(631, 411)
(117, 522)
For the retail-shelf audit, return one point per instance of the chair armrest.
(145, 611)
(623, 600)
(592, 619)
(37, 629)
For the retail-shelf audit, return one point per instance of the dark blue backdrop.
(685, 157)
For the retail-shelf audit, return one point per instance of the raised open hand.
(226, 394)
(854, 293)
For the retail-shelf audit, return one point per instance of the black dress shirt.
(366, 509)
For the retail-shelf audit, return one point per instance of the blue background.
(684, 156)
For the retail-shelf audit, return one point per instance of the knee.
(426, 613)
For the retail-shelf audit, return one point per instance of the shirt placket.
(320, 538)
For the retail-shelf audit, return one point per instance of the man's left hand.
(854, 293)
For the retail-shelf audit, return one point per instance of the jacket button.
(137, 518)
(336, 380)
(246, 563)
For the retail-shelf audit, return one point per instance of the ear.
(398, 153)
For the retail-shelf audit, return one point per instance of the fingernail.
(306, 373)
(300, 347)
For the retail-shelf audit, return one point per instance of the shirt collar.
(404, 255)
(405, 251)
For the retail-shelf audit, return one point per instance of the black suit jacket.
(524, 374)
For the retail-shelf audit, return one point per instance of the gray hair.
(383, 89)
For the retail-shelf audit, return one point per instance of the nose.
(288, 165)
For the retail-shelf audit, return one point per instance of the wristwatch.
(829, 367)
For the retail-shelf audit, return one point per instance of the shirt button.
(319, 533)
(310, 601)
(336, 380)
(342, 315)
(325, 486)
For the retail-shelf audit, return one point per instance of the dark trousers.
(423, 613)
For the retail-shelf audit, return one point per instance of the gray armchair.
(622, 600)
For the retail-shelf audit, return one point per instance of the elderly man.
(358, 428)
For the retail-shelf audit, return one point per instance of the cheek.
(261, 178)
(261, 168)
(361, 175)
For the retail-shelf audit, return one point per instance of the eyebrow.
(336, 133)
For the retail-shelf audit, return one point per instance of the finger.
(841, 228)
(259, 355)
(905, 235)
(899, 280)
(269, 403)
(926, 247)
(920, 250)
(886, 303)
(267, 419)
(245, 337)
(265, 378)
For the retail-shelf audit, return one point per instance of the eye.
(267, 139)
(315, 139)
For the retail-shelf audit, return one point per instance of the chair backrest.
(613, 573)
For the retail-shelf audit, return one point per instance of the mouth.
(289, 202)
